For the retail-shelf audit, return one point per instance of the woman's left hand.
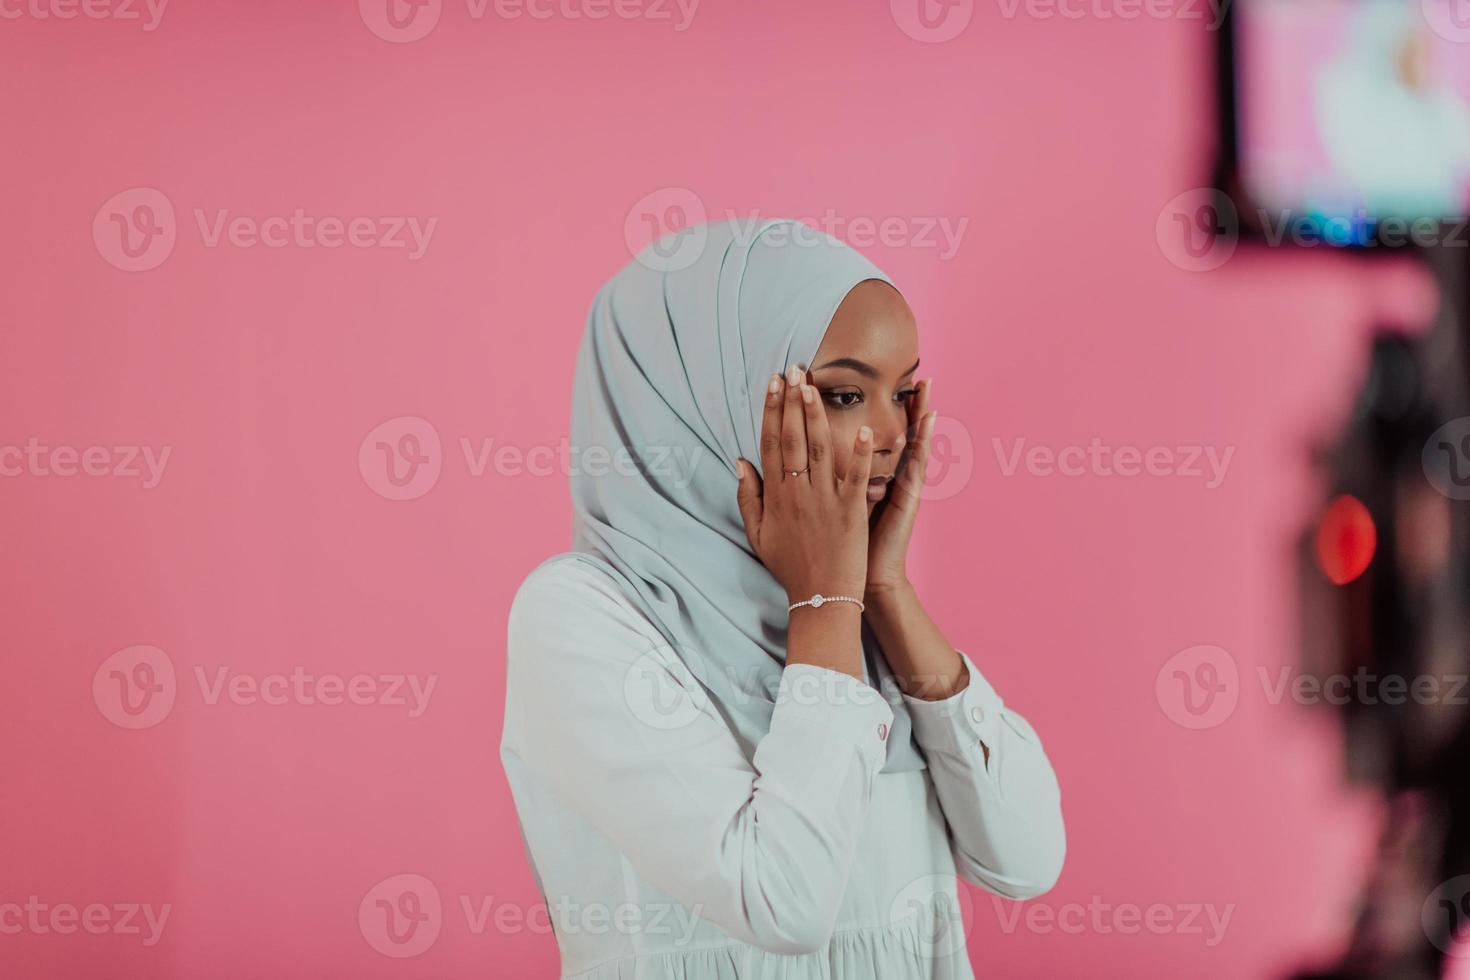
(888, 540)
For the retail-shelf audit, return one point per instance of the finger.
(911, 480)
(917, 406)
(860, 467)
(793, 426)
(771, 428)
(748, 496)
(818, 439)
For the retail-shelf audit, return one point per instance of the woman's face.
(864, 373)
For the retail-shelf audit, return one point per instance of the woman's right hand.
(810, 530)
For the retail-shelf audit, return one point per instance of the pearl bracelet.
(819, 600)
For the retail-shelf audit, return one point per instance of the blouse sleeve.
(602, 710)
(1004, 814)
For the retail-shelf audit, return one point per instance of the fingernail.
(808, 394)
(864, 434)
(793, 375)
(775, 384)
(739, 469)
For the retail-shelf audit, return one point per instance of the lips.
(878, 487)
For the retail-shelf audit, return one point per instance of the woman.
(719, 771)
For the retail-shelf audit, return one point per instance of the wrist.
(887, 590)
(848, 599)
(827, 587)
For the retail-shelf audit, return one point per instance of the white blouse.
(665, 853)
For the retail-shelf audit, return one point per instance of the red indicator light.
(1346, 539)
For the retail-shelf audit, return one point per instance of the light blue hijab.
(672, 373)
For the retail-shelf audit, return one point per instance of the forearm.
(924, 663)
(997, 788)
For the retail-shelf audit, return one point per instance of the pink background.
(266, 546)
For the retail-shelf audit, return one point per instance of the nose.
(889, 433)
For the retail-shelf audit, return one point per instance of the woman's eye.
(907, 393)
(844, 399)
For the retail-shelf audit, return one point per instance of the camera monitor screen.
(1352, 116)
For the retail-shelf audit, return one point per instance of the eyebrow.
(861, 367)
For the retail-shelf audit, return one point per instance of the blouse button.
(977, 714)
(882, 732)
